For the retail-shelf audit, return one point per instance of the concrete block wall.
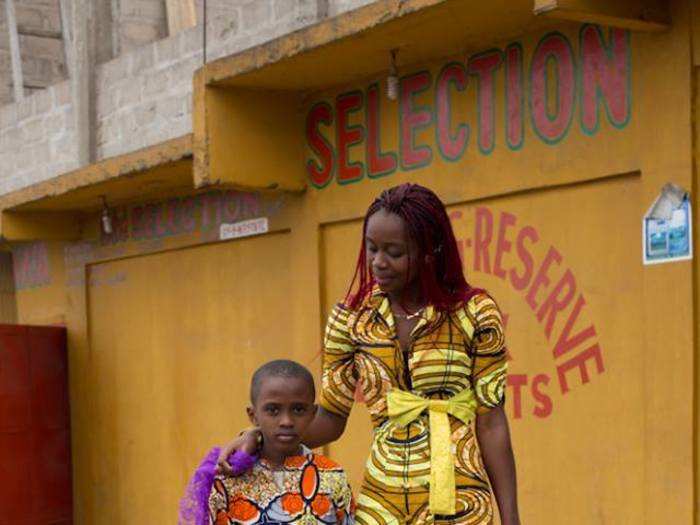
(140, 22)
(336, 7)
(37, 138)
(43, 60)
(143, 97)
(5, 63)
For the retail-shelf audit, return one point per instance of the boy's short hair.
(280, 368)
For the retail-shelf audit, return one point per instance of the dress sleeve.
(339, 374)
(488, 352)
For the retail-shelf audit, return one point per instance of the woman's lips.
(287, 438)
(383, 279)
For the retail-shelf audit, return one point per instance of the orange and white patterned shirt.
(308, 489)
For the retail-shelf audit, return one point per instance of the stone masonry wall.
(144, 96)
(140, 22)
(43, 61)
(37, 138)
(5, 64)
(341, 6)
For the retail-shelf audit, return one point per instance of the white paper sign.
(243, 228)
(668, 239)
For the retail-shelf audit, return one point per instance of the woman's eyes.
(272, 410)
(391, 252)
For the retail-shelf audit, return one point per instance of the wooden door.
(35, 458)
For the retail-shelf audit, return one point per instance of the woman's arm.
(325, 428)
(494, 440)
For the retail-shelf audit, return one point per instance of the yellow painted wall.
(695, 36)
(166, 305)
(8, 301)
(602, 184)
(556, 420)
(174, 338)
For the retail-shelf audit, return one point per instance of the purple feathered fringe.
(194, 505)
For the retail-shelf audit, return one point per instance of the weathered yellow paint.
(695, 188)
(163, 396)
(49, 210)
(332, 35)
(81, 189)
(581, 425)
(45, 299)
(358, 43)
(32, 226)
(263, 126)
(200, 140)
(166, 323)
(651, 15)
(8, 301)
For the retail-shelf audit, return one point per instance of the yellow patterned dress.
(449, 352)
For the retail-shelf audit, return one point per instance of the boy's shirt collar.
(290, 462)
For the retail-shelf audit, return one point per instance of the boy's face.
(283, 409)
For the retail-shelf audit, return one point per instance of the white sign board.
(243, 228)
(670, 238)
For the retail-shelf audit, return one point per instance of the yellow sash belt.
(404, 407)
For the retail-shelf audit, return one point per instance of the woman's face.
(391, 256)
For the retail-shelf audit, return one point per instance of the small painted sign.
(667, 231)
(243, 228)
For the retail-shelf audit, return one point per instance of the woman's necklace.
(408, 317)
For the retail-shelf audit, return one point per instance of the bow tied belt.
(404, 407)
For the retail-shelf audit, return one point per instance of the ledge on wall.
(248, 108)
(248, 127)
(635, 15)
(51, 210)
(248, 120)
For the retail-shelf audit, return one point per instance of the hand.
(247, 442)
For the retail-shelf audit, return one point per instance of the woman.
(428, 351)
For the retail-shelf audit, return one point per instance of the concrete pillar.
(83, 80)
(15, 55)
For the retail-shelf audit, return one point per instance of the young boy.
(288, 483)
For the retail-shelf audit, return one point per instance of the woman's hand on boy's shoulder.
(247, 442)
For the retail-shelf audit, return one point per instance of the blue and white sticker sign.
(669, 237)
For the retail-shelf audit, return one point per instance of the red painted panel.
(49, 373)
(35, 459)
(52, 475)
(15, 382)
(15, 478)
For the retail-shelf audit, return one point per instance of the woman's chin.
(385, 286)
(386, 289)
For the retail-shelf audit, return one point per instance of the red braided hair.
(442, 282)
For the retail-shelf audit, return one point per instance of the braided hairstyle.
(441, 278)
